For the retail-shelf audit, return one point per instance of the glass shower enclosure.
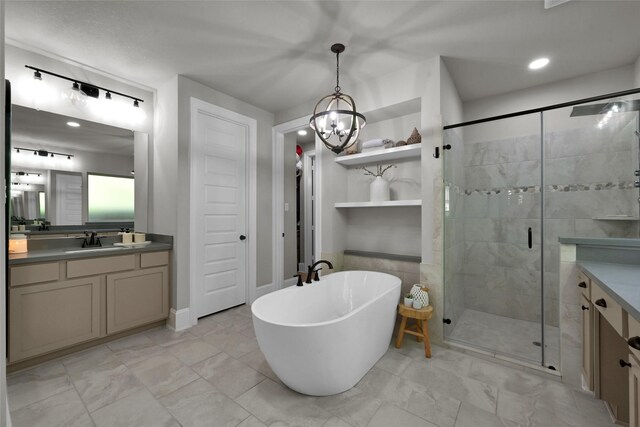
(512, 186)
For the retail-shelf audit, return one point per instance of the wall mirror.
(68, 171)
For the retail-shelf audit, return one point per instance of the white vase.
(420, 294)
(408, 302)
(379, 190)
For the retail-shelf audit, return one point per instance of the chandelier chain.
(337, 88)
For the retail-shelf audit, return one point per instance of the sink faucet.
(94, 240)
(312, 273)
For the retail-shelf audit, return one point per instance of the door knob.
(624, 363)
(243, 237)
(582, 285)
(585, 308)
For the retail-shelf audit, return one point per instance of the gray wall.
(290, 241)
(171, 175)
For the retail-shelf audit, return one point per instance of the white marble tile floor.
(215, 375)
(508, 337)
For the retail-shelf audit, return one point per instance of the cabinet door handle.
(601, 302)
(624, 363)
(242, 237)
(582, 285)
(634, 342)
(585, 308)
(529, 238)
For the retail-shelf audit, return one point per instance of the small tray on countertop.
(133, 244)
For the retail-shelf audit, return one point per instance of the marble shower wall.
(502, 201)
(588, 174)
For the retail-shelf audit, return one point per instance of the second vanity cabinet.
(584, 283)
(56, 305)
(608, 361)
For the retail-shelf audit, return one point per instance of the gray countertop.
(621, 281)
(60, 254)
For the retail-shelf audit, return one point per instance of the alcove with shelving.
(394, 226)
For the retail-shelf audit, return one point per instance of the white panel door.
(68, 199)
(220, 199)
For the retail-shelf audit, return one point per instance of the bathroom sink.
(81, 251)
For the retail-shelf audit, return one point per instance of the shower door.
(493, 238)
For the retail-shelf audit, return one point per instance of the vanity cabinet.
(634, 392)
(587, 341)
(608, 360)
(58, 305)
(584, 286)
(634, 372)
(46, 317)
(136, 298)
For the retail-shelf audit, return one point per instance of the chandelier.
(335, 118)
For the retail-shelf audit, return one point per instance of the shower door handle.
(530, 238)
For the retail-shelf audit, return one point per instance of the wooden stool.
(420, 329)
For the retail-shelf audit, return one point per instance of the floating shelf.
(396, 153)
(391, 203)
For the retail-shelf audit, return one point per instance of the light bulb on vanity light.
(137, 113)
(75, 96)
(37, 91)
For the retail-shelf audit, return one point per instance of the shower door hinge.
(436, 153)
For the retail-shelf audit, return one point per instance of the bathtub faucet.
(312, 273)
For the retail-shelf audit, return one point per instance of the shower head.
(597, 109)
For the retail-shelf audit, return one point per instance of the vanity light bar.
(44, 153)
(88, 88)
(22, 173)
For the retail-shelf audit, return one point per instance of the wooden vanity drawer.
(584, 284)
(93, 266)
(610, 309)
(154, 259)
(34, 273)
(634, 336)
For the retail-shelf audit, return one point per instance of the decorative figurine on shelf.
(388, 143)
(415, 137)
(379, 189)
(352, 150)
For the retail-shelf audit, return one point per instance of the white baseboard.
(179, 320)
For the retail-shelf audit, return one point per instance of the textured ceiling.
(276, 54)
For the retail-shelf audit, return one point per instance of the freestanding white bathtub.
(322, 338)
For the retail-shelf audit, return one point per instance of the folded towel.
(369, 149)
(373, 143)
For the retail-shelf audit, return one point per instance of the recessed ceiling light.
(302, 132)
(538, 63)
(73, 124)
